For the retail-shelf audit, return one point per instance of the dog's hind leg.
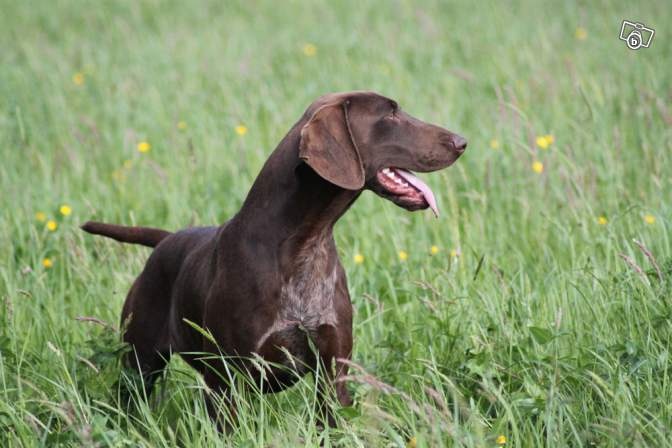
(149, 366)
(145, 322)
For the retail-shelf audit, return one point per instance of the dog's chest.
(306, 299)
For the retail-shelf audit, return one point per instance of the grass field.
(536, 320)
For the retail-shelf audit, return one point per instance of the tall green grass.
(528, 323)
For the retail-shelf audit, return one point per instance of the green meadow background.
(537, 319)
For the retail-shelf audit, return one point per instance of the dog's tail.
(146, 236)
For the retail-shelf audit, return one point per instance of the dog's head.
(362, 140)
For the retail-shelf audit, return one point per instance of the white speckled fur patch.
(307, 296)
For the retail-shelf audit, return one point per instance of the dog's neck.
(289, 204)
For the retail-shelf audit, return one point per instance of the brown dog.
(269, 281)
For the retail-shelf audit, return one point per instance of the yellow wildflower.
(47, 263)
(542, 142)
(455, 253)
(549, 138)
(181, 125)
(581, 33)
(359, 258)
(241, 129)
(65, 210)
(78, 78)
(309, 50)
(52, 225)
(41, 216)
(412, 443)
(403, 256)
(434, 250)
(538, 167)
(501, 440)
(602, 220)
(494, 143)
(144, 147)
(649, 219)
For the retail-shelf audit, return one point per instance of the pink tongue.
(420, 185)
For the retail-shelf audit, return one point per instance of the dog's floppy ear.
(328, 148)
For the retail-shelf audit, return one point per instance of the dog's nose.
(459, 143)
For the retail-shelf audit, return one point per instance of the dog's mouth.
(406, 190)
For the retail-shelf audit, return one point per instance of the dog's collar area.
(407, 186)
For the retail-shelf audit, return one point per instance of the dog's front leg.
(332, 344)
(217, 399)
